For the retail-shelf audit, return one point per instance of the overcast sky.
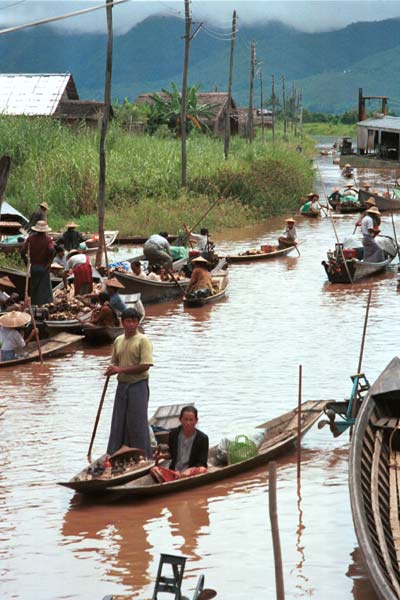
(311, 15)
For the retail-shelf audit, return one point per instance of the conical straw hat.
(6, 281)
(14, 319)
(373, 210)
(371, 201)
(114, 283)
(41, 226)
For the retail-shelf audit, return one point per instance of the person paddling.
(289, 238)
(11, 339)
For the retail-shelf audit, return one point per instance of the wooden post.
(262, 104)
(299, 426)
(273, 108)
(284, 107)
(251, 92)
(104, 125)
(5, 163)
(301, 113)
(273, 515)
(228, 112)
(394, 232)
(188, 24)
(364, 332)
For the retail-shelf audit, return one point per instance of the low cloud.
(311, 16)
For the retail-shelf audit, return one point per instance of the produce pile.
(103, 469)
(253, 251)
(66, 307)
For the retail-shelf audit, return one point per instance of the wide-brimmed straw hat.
(200, 259)
(349, 185)
(373, 210)
(348, 165)
(14, 319)
(371, 201)
(290, 220)
(114, 283)
(6, 281)
(44, 205)
(71, 225)
(335, 189)
(41, 227)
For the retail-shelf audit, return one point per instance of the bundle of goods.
(265, 249)
(65, 306)
(118, 464)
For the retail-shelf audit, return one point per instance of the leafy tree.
(127, 112)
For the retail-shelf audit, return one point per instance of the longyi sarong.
(129, 424)
(372, 252)
(41, 292)
(83, 279)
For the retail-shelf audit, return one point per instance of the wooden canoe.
(92, 247)
(58, 344)
(382, 202)
(96, 334)
(165, 418)
(374, 481)
(69, 325)
(280, 436)
(221, 281)
(150, 291)
(237, 258)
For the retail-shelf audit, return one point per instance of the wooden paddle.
(103, 395)
(395, 235)
(176, 281)
(28, 301)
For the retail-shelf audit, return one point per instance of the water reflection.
(362, 588)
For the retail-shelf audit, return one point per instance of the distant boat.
(58, 344)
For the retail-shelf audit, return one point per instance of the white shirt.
(291, 233)
(11, 339)
(200, 240)
(153, 277)
(159, 241)
(74, 261)
(366, 224)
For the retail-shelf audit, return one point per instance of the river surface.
(238, 360)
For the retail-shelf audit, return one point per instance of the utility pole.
(301, 113)
(284, 106)
(273, 108)
(250, 113)
(293, 103)
(188, 24)
(262, 102)
(104, 125)
(227, 138)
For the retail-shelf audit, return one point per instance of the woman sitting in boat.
(334, 198)
(116, 302)
(372, 252)
(136, 267)
(289, 238)
(11, 339)
(188, 449)
(311, 205)
(104, 316)
(200, 284)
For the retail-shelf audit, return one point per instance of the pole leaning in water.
(273, 515)
(334, 226)
(28, 301)
(395, 235)
(355, 407)
(103, 395)
(299, 426)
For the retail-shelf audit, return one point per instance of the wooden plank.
(394, 466)
(377, 515)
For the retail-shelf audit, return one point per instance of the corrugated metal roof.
(32, 94)
(7, 209)
(387, 123)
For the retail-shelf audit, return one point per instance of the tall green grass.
(54, 163)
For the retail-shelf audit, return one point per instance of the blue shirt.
(117, 304)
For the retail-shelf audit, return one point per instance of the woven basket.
(241, 449)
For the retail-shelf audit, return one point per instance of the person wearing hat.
(158, 251)
(199, 239)
(350, 191)
(288, 239)
(131, 360)
(79, 265)
(103, 315)
(10, 338)
(347, 171)
(40, 249)
(311, 205)
(71, 238)
(335, 198)
(7, 296)
(40, 214)
(116, 302)
(200, 284)
(369, 229)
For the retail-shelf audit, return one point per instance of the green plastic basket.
(241, 449)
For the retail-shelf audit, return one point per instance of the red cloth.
(83, 274)
(41, 249)
(163, 475)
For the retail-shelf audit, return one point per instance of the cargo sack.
(241, 449)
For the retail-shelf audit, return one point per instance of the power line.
(12, 4)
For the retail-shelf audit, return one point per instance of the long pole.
(251, 92)
(301, 113)
(284, 106)
(188, 24)
(104, 125)
(227, 138)
(273, 108)
(273, 515)
(5, 163)
(334, 226)
(394, 232)
(103, 395)
(364, 332)
(299, 426)
(262, 104)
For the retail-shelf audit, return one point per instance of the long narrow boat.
(238, 258)
(151, 291)
(50, 347)
(374, 480)
(358, 269)
(221, 284)
(382, 202)
(89, 482)
(280, 436)
(96, 334)
(92, 245)
(70, 325)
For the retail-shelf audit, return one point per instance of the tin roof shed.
(382, 123)
(35, 94)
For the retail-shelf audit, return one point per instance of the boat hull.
(382, 202)
(244, 258)
(51, 347)
(150, 291)
(358, 270)
(101, 335)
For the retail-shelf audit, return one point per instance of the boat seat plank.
(382, 422)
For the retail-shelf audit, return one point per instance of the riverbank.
(53, 163)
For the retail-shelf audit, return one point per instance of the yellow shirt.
(128, 352)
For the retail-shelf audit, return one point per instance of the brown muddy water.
(238, 360)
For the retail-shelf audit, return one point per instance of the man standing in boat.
(372, 252)
(39, 250)
(131, 360)
(158, 251)
(40, 214)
